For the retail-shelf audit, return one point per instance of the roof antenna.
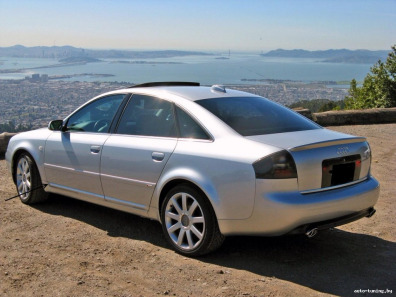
(218, 88)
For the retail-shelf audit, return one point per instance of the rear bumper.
(278, 213)
(334, 222)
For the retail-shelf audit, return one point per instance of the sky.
(250, 25)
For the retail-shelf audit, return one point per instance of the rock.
(4, 139)
(356, 117)
(305, 112)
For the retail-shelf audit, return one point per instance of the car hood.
(41, 133)
(301, 140)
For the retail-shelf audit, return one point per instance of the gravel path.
(67, 247)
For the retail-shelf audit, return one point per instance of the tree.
(329, 106)
(11, 127)
(379, 86)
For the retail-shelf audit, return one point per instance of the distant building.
(35, 77)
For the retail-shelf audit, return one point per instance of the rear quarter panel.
(221, 169)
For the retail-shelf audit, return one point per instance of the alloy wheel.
(23, 178)
(185, 221)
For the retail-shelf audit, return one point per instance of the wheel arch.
(15, 157)
(164, 185)
(32, 192)
(178, 182)
(14, 160)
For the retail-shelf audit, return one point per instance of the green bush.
(379, 86)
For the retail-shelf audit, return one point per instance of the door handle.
(157, 156)
(95, 149)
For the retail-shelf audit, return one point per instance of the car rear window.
(256, 115)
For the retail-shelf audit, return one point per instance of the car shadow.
(115, 223)
(334, 262)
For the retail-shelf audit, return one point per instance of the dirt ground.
(67, 247)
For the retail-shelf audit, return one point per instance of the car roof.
(189, 92)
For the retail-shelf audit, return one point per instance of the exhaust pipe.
(311, 233)
(371, 213)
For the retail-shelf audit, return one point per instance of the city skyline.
(216, 25)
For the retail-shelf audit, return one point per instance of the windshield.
(256, 115)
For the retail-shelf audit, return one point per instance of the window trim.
(114, 126)
(113, 121)
(120, 115)
(117, 115)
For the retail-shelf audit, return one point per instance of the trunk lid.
(324, 158)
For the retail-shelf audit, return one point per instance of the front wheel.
(189, 222)
(28, 181)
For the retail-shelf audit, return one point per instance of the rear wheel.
(28, 181)
(189, 222)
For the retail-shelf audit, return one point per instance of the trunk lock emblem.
(343, 151)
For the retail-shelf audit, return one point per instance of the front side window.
(96, 116)
(256, 115)
(148, 116)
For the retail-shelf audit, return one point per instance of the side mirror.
(55, 125)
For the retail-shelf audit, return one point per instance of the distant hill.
(332, 55)
(62, 52)
(58, 52)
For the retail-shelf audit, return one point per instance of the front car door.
(72, 157)
(134, 157)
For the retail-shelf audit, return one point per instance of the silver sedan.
(206, 162)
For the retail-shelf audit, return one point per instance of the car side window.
(188, 127)
(148, 116)
(96, 116)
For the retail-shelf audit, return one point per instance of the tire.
(28, 181)
(189, 222)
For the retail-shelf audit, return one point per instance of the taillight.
(276, 166)
(367, 155)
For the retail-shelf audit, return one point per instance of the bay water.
(237, 68)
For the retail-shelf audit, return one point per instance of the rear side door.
(72, 157)
(135, 155)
